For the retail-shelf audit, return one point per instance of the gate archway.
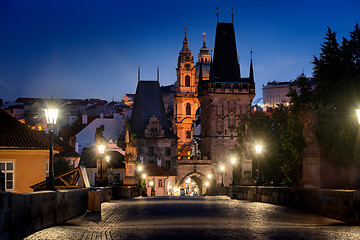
(196, 177)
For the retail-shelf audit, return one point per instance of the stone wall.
(23, 214)
(119, 192)
(343, 205)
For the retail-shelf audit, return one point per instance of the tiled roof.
(153, 170)
(149, 103)
(225, 64)
(16, 135)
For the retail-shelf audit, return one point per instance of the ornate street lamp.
(233, 162)
(51, 115)
(101, 149)
(222, 168)
(258, 149)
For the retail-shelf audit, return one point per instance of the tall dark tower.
(224, 99)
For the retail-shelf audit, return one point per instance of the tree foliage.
(337, 95)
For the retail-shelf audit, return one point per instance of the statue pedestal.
(311, 167)
(130, 180)
(130, 173)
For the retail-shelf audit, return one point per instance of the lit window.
(47, 169)
(8, 169)
(160, 183)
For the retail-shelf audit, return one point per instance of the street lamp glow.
(258, 148)
(140, 168)
(101, 148)
(358, 114)
(233, 160)
(107, 158)
(222, 168)
(209, 176)
(207, 184)
(151, 183)
(51, 115)
(144, 175)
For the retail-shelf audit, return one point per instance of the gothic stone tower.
(224, 98)
(185, 100)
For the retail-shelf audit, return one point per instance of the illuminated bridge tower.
(224, 98)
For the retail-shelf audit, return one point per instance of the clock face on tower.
(187, 66)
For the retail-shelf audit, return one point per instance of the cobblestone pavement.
(198, 218)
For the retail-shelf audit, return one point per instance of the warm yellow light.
(209, 176)
(101, 148)
(358, 114)
(140, 168)
(51, 115)
(151, 183)
(107, 158)
(144, 175)
(233, 160)
(188, 180)
(222, 168)
(258, 148)
(207, 184)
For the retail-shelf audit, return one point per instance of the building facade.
(148, 135)
(185, 100)
(224, 98)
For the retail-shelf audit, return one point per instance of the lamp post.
(233, 162)
(222, 168)
(101, 149)
(51, 115)
(258, 149)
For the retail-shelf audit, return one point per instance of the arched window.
(187, 81)
(160, 183)
(188, 134)
(188, 109)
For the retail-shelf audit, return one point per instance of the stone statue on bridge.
(311, 153)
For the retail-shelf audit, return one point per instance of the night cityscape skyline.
(92, 50)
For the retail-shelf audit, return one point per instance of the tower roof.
(204, 50)
(225, 66)
(185, 54)
(148, 103)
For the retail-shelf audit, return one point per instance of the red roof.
(16, 135)
(153, 170)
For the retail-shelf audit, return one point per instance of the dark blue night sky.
(92, 49)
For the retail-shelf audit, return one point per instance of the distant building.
(149, 137)
(275, 92)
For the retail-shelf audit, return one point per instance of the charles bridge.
(248, 212)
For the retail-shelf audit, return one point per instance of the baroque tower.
(185, 100)
(224, 98)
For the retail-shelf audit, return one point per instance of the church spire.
(204, 41)
(251, 76)
(185, 47)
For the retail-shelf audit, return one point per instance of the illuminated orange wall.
(29, 165)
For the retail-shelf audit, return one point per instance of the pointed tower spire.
(185, 47)
(232, 15)
(204, 41)
(139, 74)
(158, 75)
(251, 69)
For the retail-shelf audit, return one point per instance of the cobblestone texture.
(198, 218)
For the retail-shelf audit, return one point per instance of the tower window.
(188, 109)
(188, 134)
(187, 81)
